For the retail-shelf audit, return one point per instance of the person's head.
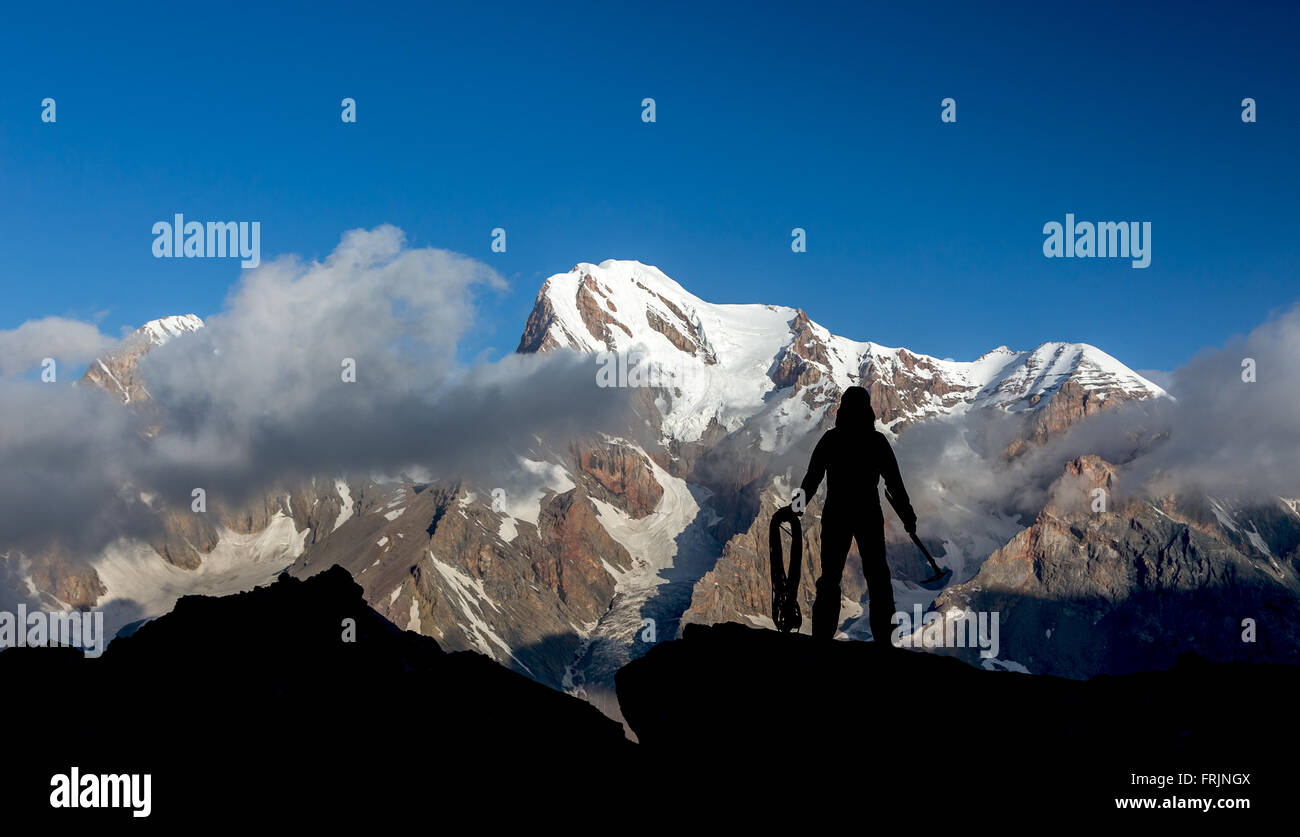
(855, 410)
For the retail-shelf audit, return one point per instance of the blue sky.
(821, 116)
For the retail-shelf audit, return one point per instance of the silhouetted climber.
(853, 456)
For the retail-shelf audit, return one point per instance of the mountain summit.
(741, 362)
(116, 372)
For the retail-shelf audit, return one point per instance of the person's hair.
(855, 411)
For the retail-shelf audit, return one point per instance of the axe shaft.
(925, 552)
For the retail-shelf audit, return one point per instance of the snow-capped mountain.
(164, 330)
(116, 372)
(731, 363)
(596, 548)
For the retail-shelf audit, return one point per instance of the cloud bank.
(1221, 435)
(258, 399)
(259, 396)
(67, 342)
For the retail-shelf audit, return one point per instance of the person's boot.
(826, 612)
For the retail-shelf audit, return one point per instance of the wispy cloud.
(258, 397)
(69, 343)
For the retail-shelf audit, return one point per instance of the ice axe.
(940, 577)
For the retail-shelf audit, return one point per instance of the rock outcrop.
(299, 700)
(931, 735)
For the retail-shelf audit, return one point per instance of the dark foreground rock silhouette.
(922, 734)
(251, 709)
(253, 705)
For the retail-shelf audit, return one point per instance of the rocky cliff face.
(438, 560)
(620, 475)
(1128, 587)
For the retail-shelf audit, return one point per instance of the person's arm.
(812, 480)
(894, 490)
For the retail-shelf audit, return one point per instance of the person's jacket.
(853, 459)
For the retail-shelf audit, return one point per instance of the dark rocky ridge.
(250, 708)
(252, 704)
(932, 739)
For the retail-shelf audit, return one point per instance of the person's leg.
(870, 536)
(836, 537)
